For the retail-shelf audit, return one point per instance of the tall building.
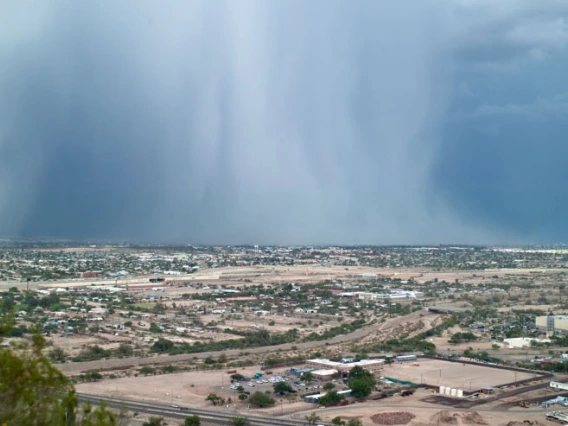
(552, 324)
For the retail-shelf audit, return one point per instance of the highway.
(211, 416)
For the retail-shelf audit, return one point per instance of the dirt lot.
(184, 389)
(453, 374)
(74, 344)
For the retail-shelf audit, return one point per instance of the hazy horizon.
(285, 122)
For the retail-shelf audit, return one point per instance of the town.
(283, 332)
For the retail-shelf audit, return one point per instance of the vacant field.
(145, 305)
(453, 374)
(185, 389)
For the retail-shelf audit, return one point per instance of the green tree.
(243, 396)
(361, 388)
(307, 377)
(282, 388)
(239, 421)
(194, 420)
(354, 422)
(337, 421)
(169, 369)
(361, 382)
(154, 328)
(162, 345)
(98, 416)
(237, 377)
(261, 399)
(94, 376)
(146, 370)
(359, 372)
(331, 398)
(33, 392)
(328, 386)
(155, 421)
(124, 349)
(159, 308)
(57, 354)
(312, 418)
(215, 399)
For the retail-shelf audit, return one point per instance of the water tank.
(448, 391)
(454, 392)
(442, 390)
(460, 393)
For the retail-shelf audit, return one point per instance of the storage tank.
(454, 392)
(448, 391)
(442, 390)
(460, 393)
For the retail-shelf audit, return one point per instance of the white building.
(367, 364)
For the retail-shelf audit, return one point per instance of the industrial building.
(552, 324)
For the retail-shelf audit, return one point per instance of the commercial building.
(324, 374)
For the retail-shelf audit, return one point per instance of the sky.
(285, 121)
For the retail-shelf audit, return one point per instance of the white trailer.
(559, 385)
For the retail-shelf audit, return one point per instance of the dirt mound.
(447, 417)
(394, 418)
(473, 418)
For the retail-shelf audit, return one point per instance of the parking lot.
(266, 382)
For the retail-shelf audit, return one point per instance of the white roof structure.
(327, 364)
(329, 372)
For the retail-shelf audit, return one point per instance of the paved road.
(211, 416)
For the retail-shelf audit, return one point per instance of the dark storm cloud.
(269, 122)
